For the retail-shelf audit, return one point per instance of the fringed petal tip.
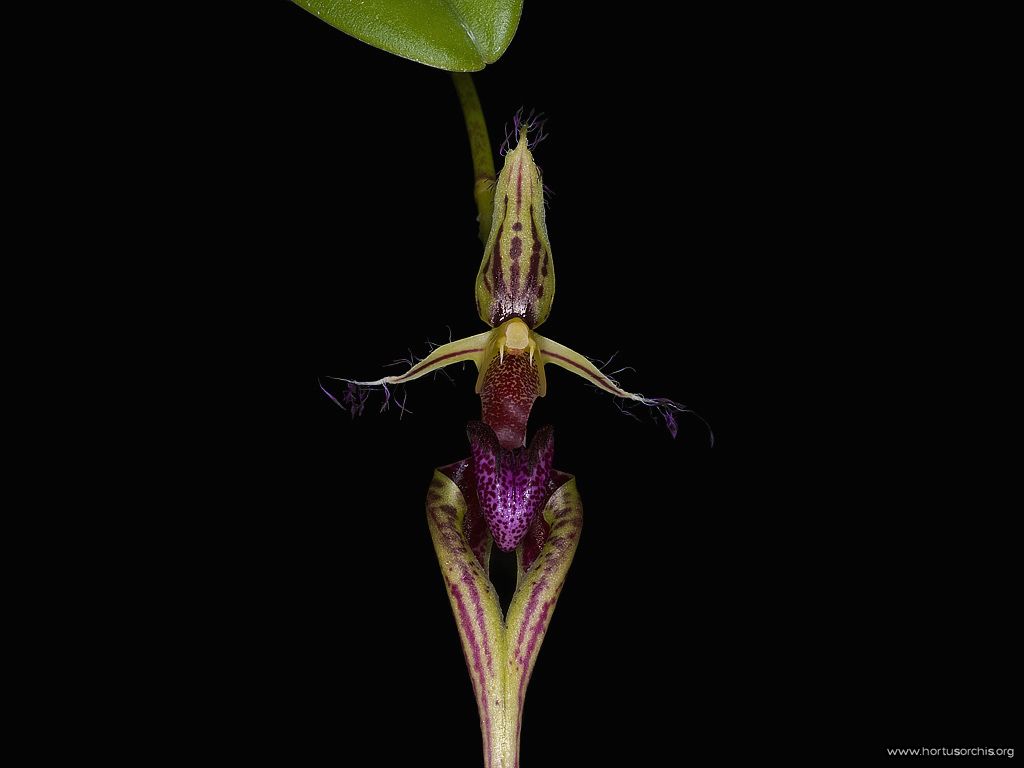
(356, 395)
(668, 410)
(574, 362)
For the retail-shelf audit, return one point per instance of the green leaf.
(457, 35)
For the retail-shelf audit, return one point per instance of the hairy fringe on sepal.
(535, 134)
(355, 397)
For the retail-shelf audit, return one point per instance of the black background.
(716, 181)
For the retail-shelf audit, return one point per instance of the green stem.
(480, 146)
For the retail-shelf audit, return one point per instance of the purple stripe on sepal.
(501, 651)
(480, 682)
(511, 484)
(514, 253)
(534, 540)
(474, 527)
(499, 281)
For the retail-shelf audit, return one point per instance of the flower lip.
(512, 484)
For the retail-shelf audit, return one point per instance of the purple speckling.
(512, 484)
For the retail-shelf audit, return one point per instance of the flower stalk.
(479, 147)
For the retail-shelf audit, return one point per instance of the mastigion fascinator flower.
(507, 492)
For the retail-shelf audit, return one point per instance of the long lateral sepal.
(500, 658)
(535, 597)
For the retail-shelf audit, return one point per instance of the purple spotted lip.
(511, 483)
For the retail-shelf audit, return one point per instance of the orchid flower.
(506, 492)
